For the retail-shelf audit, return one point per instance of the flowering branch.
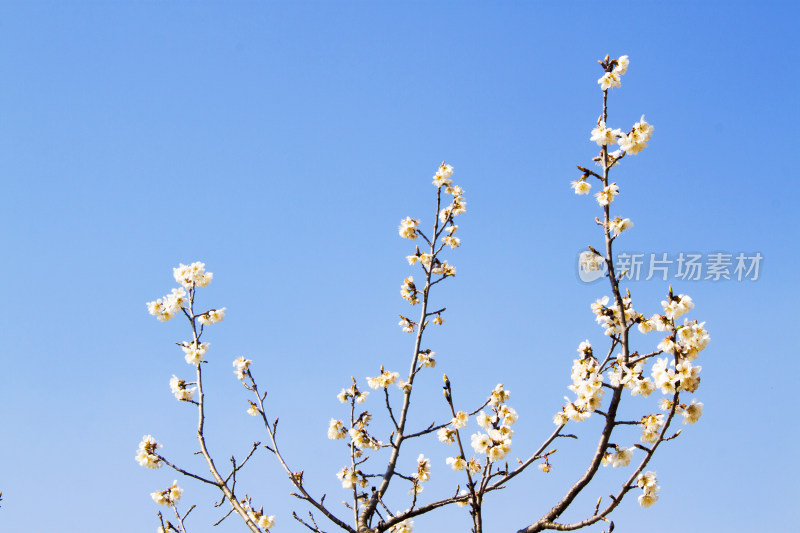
(620, 369)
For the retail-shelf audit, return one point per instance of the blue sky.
(282, 143)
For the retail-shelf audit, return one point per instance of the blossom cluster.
(406, 526)
(648, 483)
(354, 393)
(191, 276)
(351, 477)
(448, 434)
(167, 307)
(408, 228)
(336, 429)
(587, 384)
(620, 457)
(422, 474)
(211, 317)
(610, 317)
(668, 375)
(443, 175)
(181, 389)
(146, 454)
(691, 413)
(241, 367)
(630, 376)
(382, 381)
(684, 376)
(456, 207)
(496, 442)
(360, 438)
(168, 496)
(406, 324)
(636, 140)
(607, 195)
(194, 352)
(631, 143)
(450, 239)
(618, 225)
(676, 306)
(443, 268)
(651, 426)
(258, 517)
(611, 78)
(426, 358)
(409, 291)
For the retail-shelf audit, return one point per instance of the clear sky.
(282, 143)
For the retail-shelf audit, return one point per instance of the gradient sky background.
(282, 143)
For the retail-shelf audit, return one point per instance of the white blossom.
(180, 389)
(443, 174)
(423, 472)
(240, 367)
(604, 136)
(636, 141)
(446, 435)
(648, 483)
(457, 463)
(168, 496)
(193, 275)
(408, 228)
(336, 429)
(146, 455)
(581, 186)
(618, 225)
(606, 196)
(460, 420)
(621, 457)
(622, 65)
(194, 351)
(692, 412)
(406, 526)
(609, 80)
(384, 380)
(212, 317)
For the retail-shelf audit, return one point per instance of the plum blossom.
(443, 174)
(336, 429)
(636, 141)
(581, 186)
(168, 496)
(609, 80)
(618, 225)
(384, 380)
(180, 389)
(212, 317)
(692, 412)
(240, 367)
(193, 275)
(457, 463)
(194, 351)
(648, 483)
(621, 457)
(408, 228)
(606, 196)
(146, 454)
(603, 135)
